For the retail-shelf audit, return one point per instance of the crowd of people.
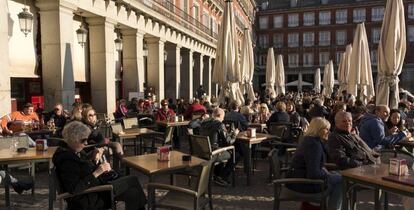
(341, 130)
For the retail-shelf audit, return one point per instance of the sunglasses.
(91, 115)
(165, 104)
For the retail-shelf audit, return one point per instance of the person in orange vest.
(15, 121)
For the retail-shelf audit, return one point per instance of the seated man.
(345, 148)
(164, 113)
(19, 119)
(56, 118)
(372, 130)
(219, 137)
(196, 107)
(237, 119)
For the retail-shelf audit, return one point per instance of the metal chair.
(62, 196)
(283, 193)
(183, 198)
(158, 139)
(200, 146)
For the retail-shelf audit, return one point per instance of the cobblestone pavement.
(258, 196)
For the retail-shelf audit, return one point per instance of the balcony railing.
(174, 13)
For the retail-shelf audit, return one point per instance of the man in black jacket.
(345, 148)
(220, 137)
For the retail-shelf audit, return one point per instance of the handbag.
(109, 176)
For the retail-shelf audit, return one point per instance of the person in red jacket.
(164, 113)
(196, 107)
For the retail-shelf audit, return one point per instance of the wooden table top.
(134, 132)
(149, 164)
(407, 142)
(165, 123)
(370, 174)
(254, 140)
(30, 154)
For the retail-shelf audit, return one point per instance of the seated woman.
(78, 171)
(96, 137)
(394, 123)
(263, 115)
(308, 162)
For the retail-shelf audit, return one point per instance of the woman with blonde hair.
(308, 162)
(263, 114)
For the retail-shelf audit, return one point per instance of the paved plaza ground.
(258, 196)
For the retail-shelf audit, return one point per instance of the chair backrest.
(204, 179)
(168, 135)
(197, 114)
(101, 117)
(130, 123)
(275, 164)
(200, 146)
(22, 141)
(116, 128)
(277, 130)
(56, 182)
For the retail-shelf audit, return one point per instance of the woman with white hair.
(308, 162)
(78, 171)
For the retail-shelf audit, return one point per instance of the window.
(324, 38)
(263, 40)
(374, 57)
(359, 15)
(307, 59)
(278, 21)
(278, 40)
(263, 22)
(377, 14)
(376, 33)
(341, 16)
(214, 26)
(293, 20)
(293, 60)
(341, 37)
(309, 19)
(338, 57)
(196, 12)
(410, 34)
(308, 39)
(293, 40)
(325, 18)
(206, 19)
(323, 58)
(411, 11)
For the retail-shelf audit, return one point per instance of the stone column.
(198, 70)
(5, 94)
(57, 53)
(207, 75)
(300, 82)
(172, 71)
(156, 65)
(187, 74)
(102, 61)
(133, 59)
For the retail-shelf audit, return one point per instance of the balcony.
(170, 11)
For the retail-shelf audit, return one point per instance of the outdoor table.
(31, 155)
(247, 143)
(174, 124)
(135, 133)
(407, 142)
(372, 176)
(150, 165)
